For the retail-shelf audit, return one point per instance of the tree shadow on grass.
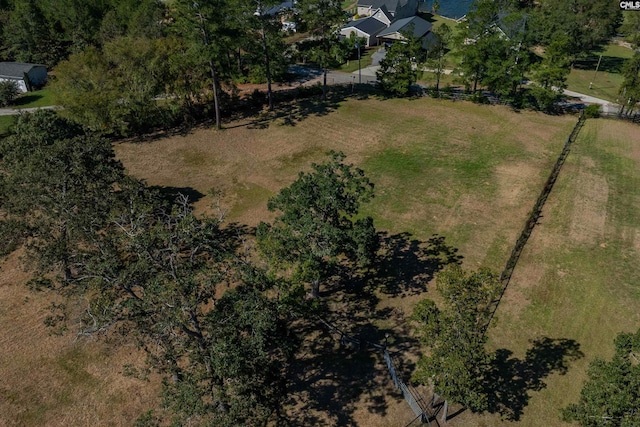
(170, 194)
(609, 64)
(510, 379)
(292, 106)
(331, 379)
(406, 264)
(26, 99)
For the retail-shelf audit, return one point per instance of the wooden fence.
(534, 215)
(423, 411)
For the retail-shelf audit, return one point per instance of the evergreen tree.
(401, 65)
(210, 28)
(630, 89)
(323, 18)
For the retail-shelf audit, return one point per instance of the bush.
(479, 98)
(592, 111)
(309, 91)
(543, 99)
(8, 92)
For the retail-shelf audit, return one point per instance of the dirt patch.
(527, 276)
(58, 380)
(512, 180)
(591, 192)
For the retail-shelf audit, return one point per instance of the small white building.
(28, 77)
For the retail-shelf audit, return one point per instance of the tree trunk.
(315, 289)
(216, 100)
(324, 85)
(267, 67)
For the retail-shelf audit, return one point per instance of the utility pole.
(359, 69)
(594, 74)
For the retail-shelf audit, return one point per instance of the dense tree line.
(496, 44)
(126, 67)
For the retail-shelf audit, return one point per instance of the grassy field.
(578, 276)
(607, 81)
(468, 173)
(38, 98)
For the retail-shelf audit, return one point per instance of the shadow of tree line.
(509, 380)
(331, 377)
(404, 268)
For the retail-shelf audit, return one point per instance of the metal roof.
(16, 69)
(369, 25)
(419, 25)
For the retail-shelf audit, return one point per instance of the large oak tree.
(318, 222)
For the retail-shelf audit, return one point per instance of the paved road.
(313, 76)
(607, 106)
(17, 111)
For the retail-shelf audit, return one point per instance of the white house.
(27, 76)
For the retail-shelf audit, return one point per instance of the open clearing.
(466, 172)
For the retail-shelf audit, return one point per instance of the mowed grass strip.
(578, 277)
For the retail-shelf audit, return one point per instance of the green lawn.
(349, 5)
(605, 85)
(578, 277)
(352, 64)
(38, 98)
(607, 81)
(429, 79)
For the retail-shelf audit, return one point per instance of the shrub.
(8, 92)
(592, 111)
(309, 91)
(479, 98)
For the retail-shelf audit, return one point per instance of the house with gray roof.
(27, 76)
(368, 27)
(414, 25)
(397, 8)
